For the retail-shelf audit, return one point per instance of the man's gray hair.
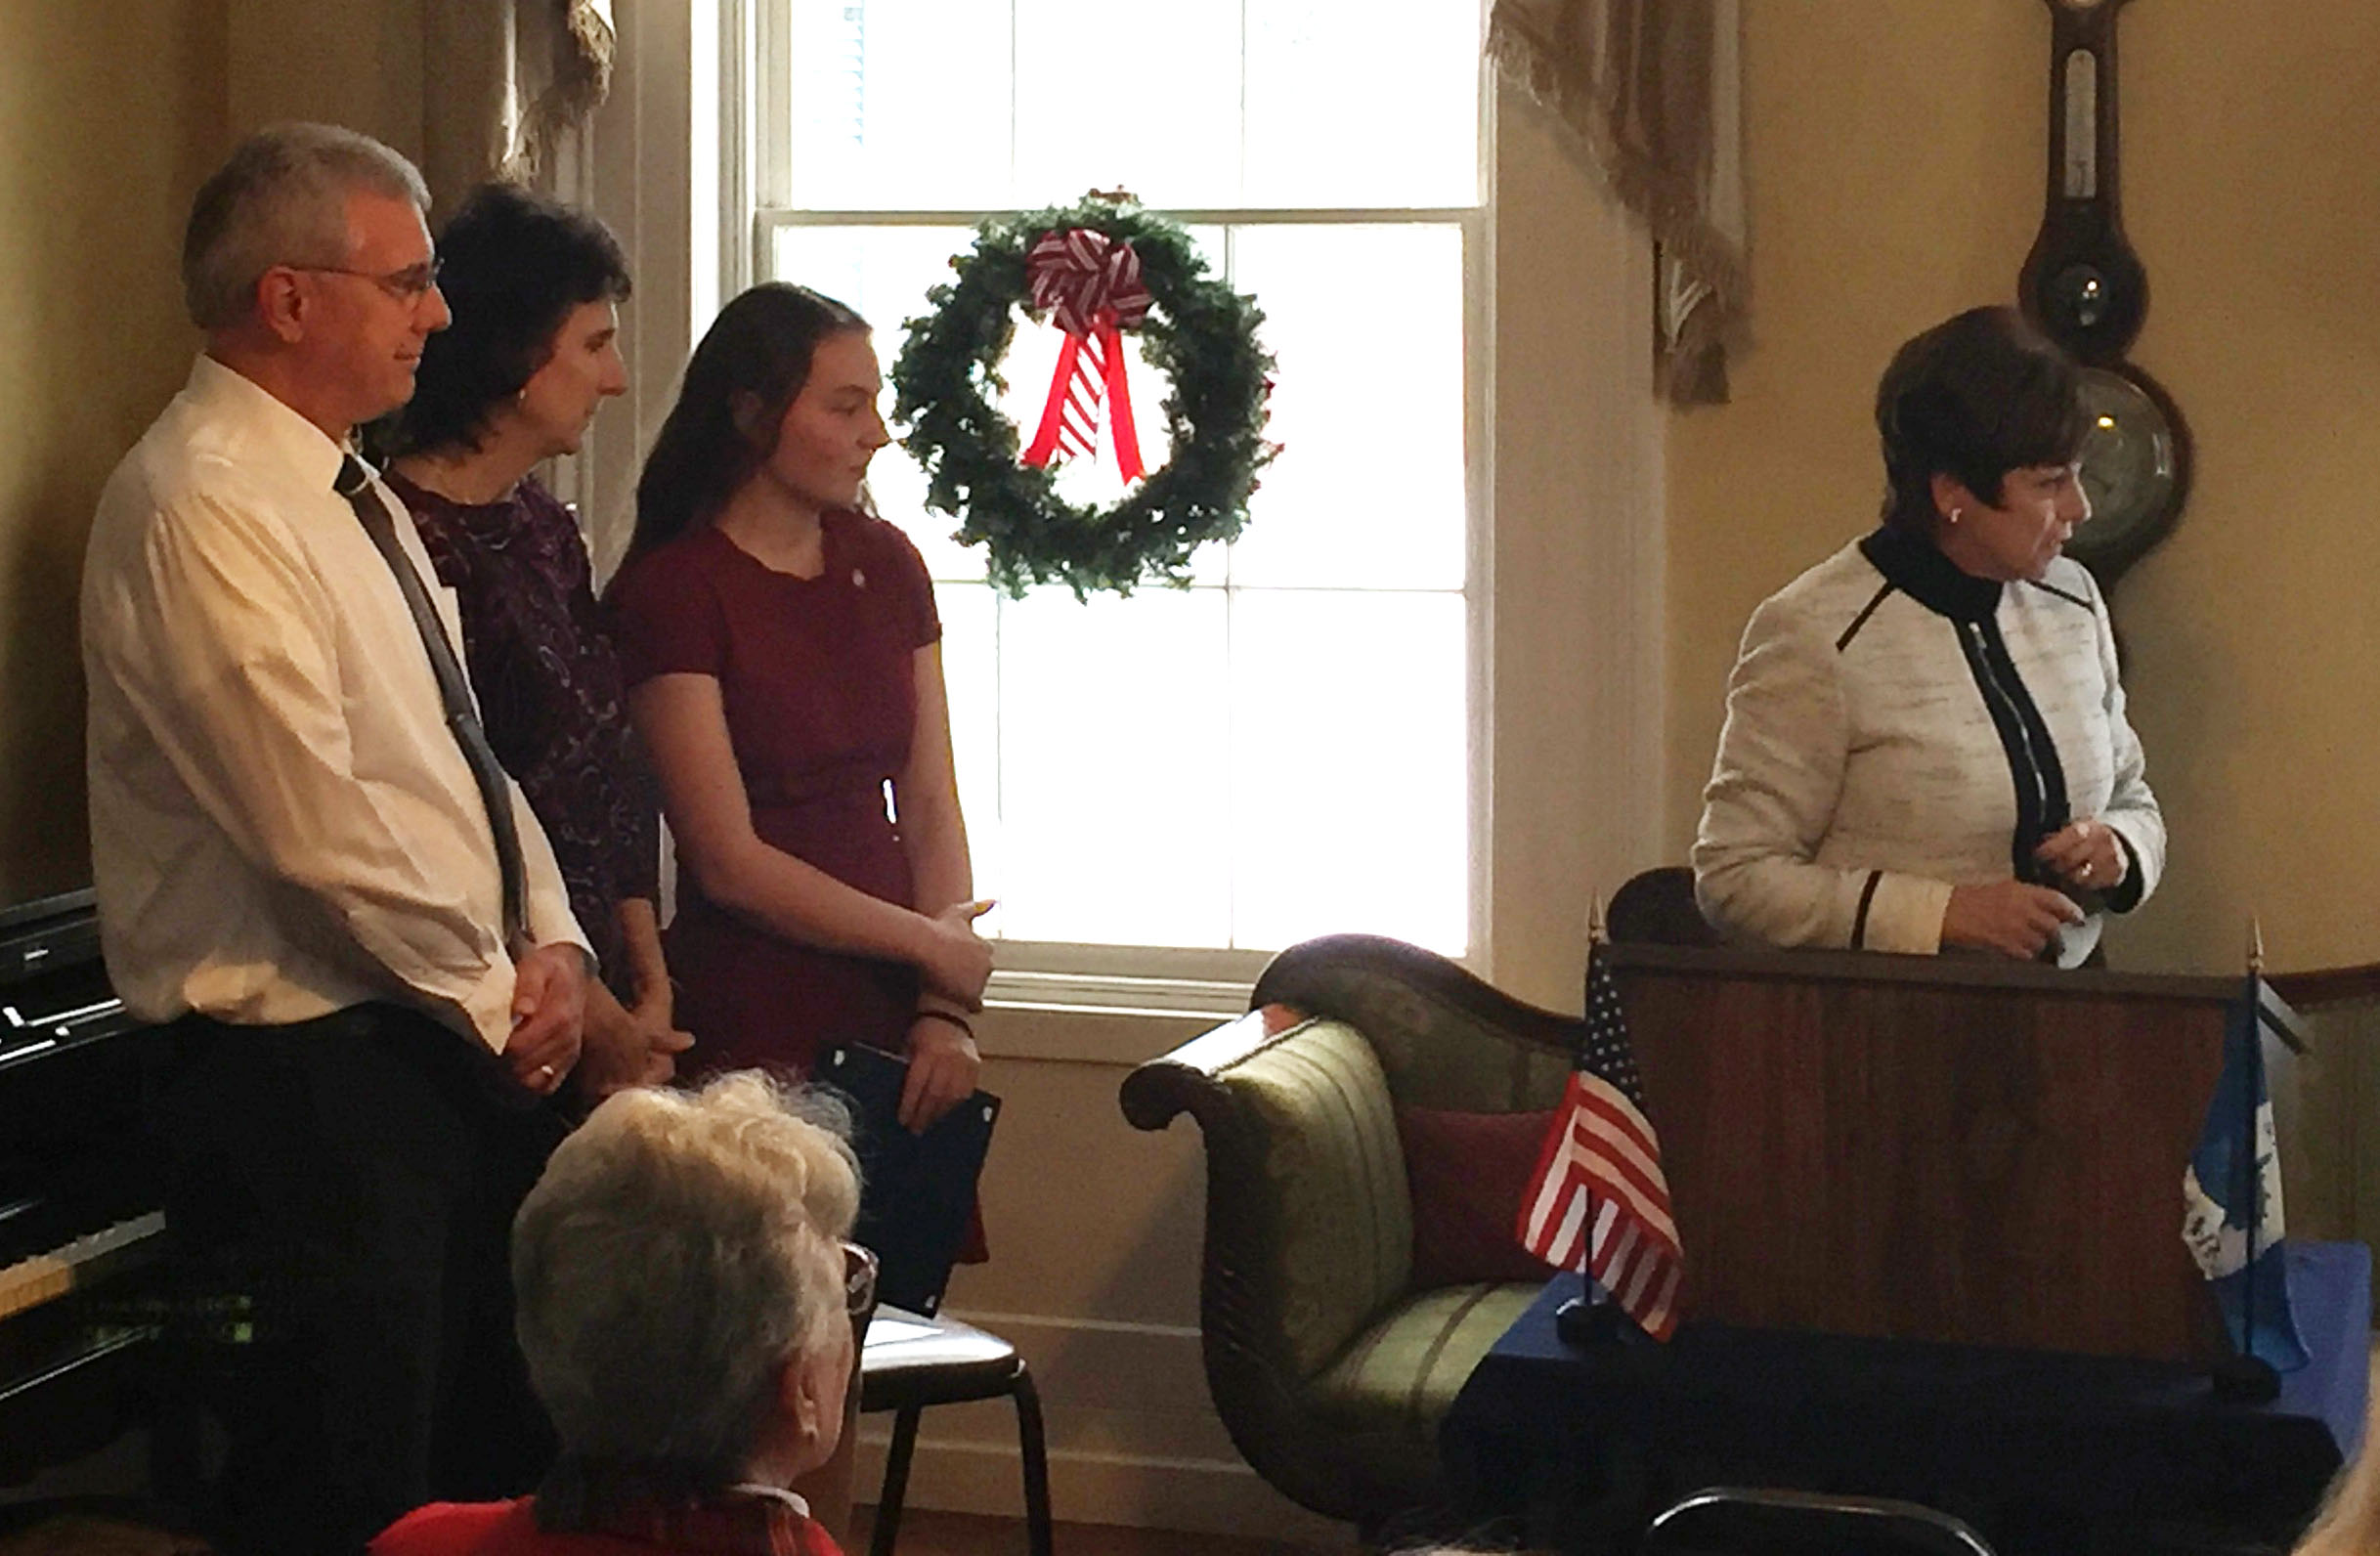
(679, 1251)
(282, 199)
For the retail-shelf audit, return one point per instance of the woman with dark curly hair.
(1925, 746)
(515, 380)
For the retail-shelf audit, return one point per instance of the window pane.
(884, 272)
(898, 105)
(1366, 324)
(1350, 749)
(1113, 729)
(910, 105)
(1351, 103)
(1146, 96)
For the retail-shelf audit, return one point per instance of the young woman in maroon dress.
(784, 663)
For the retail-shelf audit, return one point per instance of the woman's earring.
(1956, 513)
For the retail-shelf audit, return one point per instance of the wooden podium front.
(1931, 1148)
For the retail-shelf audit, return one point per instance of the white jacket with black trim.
(1896, 727)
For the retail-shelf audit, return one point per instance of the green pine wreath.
(1199, 333)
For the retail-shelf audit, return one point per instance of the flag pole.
(1591, 1317)
(2256, 1069)
(2250, 1377)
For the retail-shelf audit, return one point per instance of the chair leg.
(1035, 1453)
(897, 1483)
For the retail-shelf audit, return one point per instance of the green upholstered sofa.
(1328, 1365)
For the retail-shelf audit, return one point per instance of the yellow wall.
(1894, 154)
(356, 63)
(110, 116)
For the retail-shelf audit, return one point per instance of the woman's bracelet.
(955, 1020)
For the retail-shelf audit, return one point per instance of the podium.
(1931, 1211)
(1927, 1148)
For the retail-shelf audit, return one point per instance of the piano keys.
(82, 1233)
(81, 1263)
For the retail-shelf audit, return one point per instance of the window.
(1286, 747)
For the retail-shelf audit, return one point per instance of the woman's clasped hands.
(2019, 919)
(955, 961)
(943, 1060)
(629, 1045)
(2085, 855)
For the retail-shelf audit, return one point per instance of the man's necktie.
(354, 482)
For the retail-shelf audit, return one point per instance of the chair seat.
(910, 1361)
(1406, 1368)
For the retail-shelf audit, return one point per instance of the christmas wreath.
(1097, 270)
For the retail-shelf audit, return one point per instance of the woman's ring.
(2088, 867)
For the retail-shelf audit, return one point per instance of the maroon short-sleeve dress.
(819, 682)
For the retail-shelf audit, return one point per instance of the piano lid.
(66, 903)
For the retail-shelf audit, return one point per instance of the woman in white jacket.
(1925, 745)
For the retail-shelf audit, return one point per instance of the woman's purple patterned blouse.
(550, 691)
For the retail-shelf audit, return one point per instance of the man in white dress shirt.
(373, 982)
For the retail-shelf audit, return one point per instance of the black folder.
(916, 1192)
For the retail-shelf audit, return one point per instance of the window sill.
(1085, 1034)
(1118, 992)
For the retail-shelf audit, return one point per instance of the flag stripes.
(1587, 1154)
(1599, 1201)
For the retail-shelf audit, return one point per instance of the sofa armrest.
(1446, 1037)
(1190, 1078)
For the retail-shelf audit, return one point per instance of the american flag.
(1599, 1201)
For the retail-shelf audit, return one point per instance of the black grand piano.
(81, 1232)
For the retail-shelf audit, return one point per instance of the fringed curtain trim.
(1652, 89)
(513, 77)
(580, 79)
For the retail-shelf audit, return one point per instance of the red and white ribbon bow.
(1090, 286)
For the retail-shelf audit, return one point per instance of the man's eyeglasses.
(407, 285)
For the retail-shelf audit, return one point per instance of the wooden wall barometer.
(2085, 288)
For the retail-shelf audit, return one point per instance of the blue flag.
(2231, 1192)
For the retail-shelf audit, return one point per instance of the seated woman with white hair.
(684, 1301)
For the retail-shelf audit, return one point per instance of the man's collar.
(309, 453)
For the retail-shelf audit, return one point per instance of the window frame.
(754, 203)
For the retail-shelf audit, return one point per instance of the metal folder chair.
(911, 1361)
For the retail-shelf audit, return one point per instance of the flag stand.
(1589, 1321)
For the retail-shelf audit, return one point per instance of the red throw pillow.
(1469, 1173)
